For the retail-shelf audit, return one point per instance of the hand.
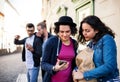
(75, 80)
(29, 47)
(77, 75)
(62, 66)
(17, 37)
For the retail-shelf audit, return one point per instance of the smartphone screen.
(62, 61)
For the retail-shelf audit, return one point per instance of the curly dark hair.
(96, 24)
(72, 28)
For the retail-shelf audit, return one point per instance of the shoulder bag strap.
(58, 46)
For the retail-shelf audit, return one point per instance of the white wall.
(1, 5)
(109, 12)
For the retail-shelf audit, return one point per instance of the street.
(12, 68)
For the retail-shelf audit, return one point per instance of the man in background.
(42, 32)
(32, 52)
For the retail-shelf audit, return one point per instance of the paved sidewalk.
(23, 78)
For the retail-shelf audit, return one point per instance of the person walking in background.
(59, 52)
(32, 51)
(101, 40)
(42, 32)
(42, 29)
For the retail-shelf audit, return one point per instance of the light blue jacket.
(105, 60)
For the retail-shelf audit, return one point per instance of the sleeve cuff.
(86, 76)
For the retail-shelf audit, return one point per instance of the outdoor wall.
(109, 12)
(53, 9)
(1, 23)
(1, 5)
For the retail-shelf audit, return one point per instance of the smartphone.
(62, 61)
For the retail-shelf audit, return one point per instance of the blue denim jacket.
(105, 60)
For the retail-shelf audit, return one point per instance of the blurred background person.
(32, 51)
(44, 34)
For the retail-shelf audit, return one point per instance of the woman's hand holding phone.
(62, 62)
(61, 65)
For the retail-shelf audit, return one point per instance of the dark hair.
(42, 24)
(73, 29)
(96, 24)
(65, 20)
(30, 25)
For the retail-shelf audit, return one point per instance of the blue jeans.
(32, 74)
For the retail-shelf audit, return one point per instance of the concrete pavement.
(21, 78)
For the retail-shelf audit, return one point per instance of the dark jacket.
(37, 45)
(49, 35)
(49, 58)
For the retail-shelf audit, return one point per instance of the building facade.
(1, 24)
(7, 21)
